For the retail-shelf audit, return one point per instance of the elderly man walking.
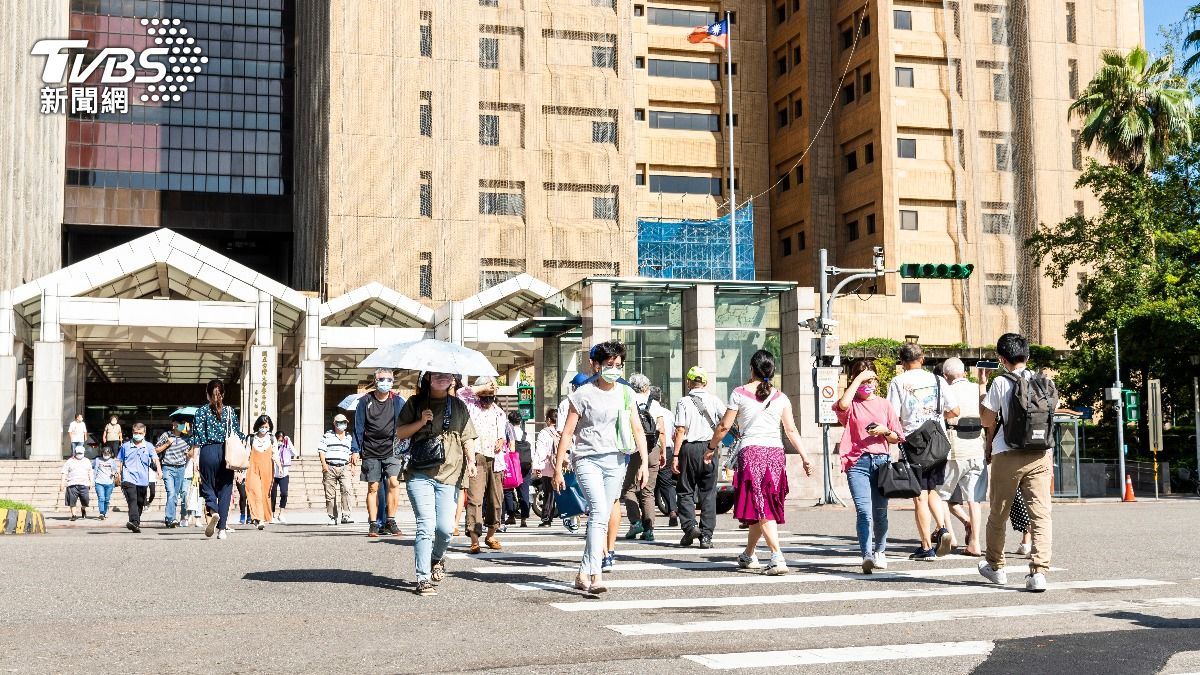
(335, 452)
(375, 441)
(134, 462)
(696, 417)
(966, 475)
(485, 492)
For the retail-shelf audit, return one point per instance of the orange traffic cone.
(1129, 490)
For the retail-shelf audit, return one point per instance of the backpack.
(524, 448)
(928, 446)
(648, 425)
(1030, 412)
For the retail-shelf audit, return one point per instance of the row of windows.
(691, 70)
(993, 294)
(174, 181)
(682, 120)
(263, 12)
(489, 129)
(902, 20)
(992, 223)
(140, 114)
(692, 185)
(681, 18)
(509, 204)
(851, 158)
(785, 115)
(236, 85)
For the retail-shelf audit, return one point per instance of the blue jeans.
(869, 503)
(173, 478)
(433, 505)
(600, 478)
(103, 496)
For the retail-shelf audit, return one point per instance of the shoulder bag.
(735, 454)
(430, 452)
(898, 480)
(237, 453)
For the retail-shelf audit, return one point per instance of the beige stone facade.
(954, 145)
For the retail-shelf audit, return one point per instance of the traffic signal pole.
(1118, 410)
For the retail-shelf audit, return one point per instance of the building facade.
(947, 140)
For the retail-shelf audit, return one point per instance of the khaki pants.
(485, 494)
(333, 478)
(639, 502)
(1033, 474)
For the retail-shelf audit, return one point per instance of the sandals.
(474, 548)
(493, 543)
(592, 589)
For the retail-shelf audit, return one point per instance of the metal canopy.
(544, 326)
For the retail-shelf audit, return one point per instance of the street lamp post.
(1196, 409)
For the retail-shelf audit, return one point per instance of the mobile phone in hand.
(872, 426)
(988, 365)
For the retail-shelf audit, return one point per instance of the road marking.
(657, 551)
(890, 618)
(626, 566)
(812, 657)
(753, 579)
(650, 545)
(837, 596)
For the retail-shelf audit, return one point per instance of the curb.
(20, 521)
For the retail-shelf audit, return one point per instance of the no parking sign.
(827, 382)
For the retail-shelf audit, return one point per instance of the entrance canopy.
(357, 323)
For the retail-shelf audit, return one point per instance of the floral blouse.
(208, 427)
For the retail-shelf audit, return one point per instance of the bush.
(18, 506)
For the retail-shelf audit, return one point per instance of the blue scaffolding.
(696, 249)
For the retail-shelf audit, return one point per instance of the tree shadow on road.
(329, 576)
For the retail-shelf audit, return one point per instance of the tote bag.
(570, 501)
(237, 454)
(512, 471)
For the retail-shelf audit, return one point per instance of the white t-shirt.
(545, 449)
(563, 407)
(913, 395)
(77, 471)
(668, 423)
(78, 432)
(998, 400)
(966, 444)
(760, 422)
(605, 423)
(688, 416)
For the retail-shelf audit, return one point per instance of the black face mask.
(487, 400)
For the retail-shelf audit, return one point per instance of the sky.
(1162, 12)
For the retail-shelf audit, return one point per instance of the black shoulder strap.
(702, 409)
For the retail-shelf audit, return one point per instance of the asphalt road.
(303, 598)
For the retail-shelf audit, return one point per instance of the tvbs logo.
(164, 71)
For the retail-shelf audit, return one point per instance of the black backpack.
(648, 425)
(524, 448)
(1030, 412)
(928, 446)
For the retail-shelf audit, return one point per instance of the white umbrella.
(430, 355)
(350, 402)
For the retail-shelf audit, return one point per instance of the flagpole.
(729, 129)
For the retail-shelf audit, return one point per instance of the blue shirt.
(136, 460)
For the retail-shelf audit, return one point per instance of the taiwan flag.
(717, 34)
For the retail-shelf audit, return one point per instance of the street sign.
(1155, 418)
(827, 382)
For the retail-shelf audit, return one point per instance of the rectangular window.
(798, 106)
(690, 70)
(604, 208)
(780, 13)
(639, 178)
(735, 119)
(683, 121)
(997, 223)
(866, 83)
(902, 19)
(871, 223)
(781, 117)
(501, 204)
(851, 162)
(680, 18)
(852, 230)
(904, 77)
(998, 295)
(1079, 208)
(906, 148)
(801, 244)
(604, 132)
(999, 31)
(869, 153)
(489, 130)
(796, 54)
(426, 274)
(787, 245)
(426, 113)
(999, 87)
(639, 62)
(426, 34)
(847, 38)
(639, 115)
(489, 3)
(639, 10)
(607, 4)
(1003, 157)
(785, 182)
(426, 194)
(1073, 78)
(908, 220)
(604, 57)
(1071, 22)
(866, 26)
(1076, 151)
(800, 174)
(489, 53)
(848, 94)
(693, 185)
(910, 293)
(781, 66)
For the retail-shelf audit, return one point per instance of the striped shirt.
(336, 449)
(176, 453)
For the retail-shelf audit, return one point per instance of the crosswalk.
(657, 588)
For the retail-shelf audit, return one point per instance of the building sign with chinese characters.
(81, 80)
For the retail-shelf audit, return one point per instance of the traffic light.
(931, 271)
(1132, 405)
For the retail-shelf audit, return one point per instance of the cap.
(79, 450)
(696, 373)
(579, 380)
(340, 418)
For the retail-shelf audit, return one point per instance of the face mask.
(341, 426)
(383, 385)
(264, 431)
(137, 438)
(107, 455)
(611, 374)
(487, 400)
(441, 383)
(866, 390)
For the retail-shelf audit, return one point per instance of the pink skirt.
(761, 484)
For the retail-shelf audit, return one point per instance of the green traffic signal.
(938, 271)
(1132, 405)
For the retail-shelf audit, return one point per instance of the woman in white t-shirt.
(760, 411)
(605, 429)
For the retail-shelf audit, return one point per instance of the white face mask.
(264, 431)
(612, 373)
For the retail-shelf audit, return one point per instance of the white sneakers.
(1035, 583)
(996, 576)
(221, 534)
(875, 562)
(262, 525)
(880, 560)
(281, 519)
(1023, 549)
(748, 562)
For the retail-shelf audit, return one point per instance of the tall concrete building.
(947, 140)
(444, 147)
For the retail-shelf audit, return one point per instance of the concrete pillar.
(796, 369)
(71, 393)
(540, 382)
(597, 318)
(21, 404)
(311, 385)
(49, 439)
(700, 328)
(8, 375)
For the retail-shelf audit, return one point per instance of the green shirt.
(453, 470)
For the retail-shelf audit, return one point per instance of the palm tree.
(1137, 110)
(1192, 17)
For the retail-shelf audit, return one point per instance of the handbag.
(237, 454)
(570, 501)
(512, 471)
(898, 480)
(430, 452)
(735, 453)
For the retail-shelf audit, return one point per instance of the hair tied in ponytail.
(762, 364)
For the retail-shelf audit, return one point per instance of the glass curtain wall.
(650, 323)
(745, 323)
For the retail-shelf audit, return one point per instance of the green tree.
(1191, 41)
(1137, 110)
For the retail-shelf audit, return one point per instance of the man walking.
(77, 481)
(486, 491)
(1016, 413)
(334, 451)
(966, 475)
(77, 431)
(174, 452)
(696, 416)
(374, 440)
(919, 396)
(134, 462)
(639, 502)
